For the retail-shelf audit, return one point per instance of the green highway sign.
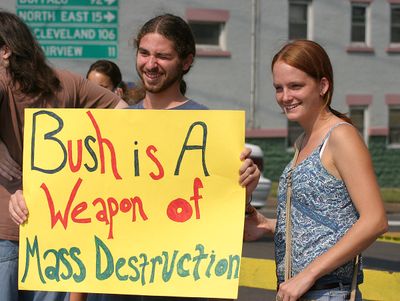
(73, 29)
(51, 33)
(102, 3)
(66, 16)
(86, 51)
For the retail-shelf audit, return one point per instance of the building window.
(209, 30)
(298, 19)
(395, 24)
(358, 109)
(208, 34)
(360, 31)
(394, 125)
(357, 115)
(294, 131)
(359, 22)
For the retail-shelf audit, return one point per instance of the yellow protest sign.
(140, 202)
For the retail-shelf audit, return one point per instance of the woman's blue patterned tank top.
(322, 212)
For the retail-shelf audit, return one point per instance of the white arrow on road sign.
(109, 16)
(109, 2)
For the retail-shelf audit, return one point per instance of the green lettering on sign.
(80, 51)
(102, 3)
(68, 16)
(53, 33)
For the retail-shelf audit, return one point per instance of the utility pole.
(253, 68)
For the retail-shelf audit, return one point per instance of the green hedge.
(386, 161)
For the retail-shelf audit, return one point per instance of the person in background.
(329, 204)
(28, 81)
(108, 75)
(165, 53)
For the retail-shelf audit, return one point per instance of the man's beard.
(165, 83)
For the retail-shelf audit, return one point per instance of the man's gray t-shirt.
(188, 105)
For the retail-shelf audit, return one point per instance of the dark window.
(298, 20)
(358, 22)
(395, 24)
(207, 33)
(394, 125)
(357, 117)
